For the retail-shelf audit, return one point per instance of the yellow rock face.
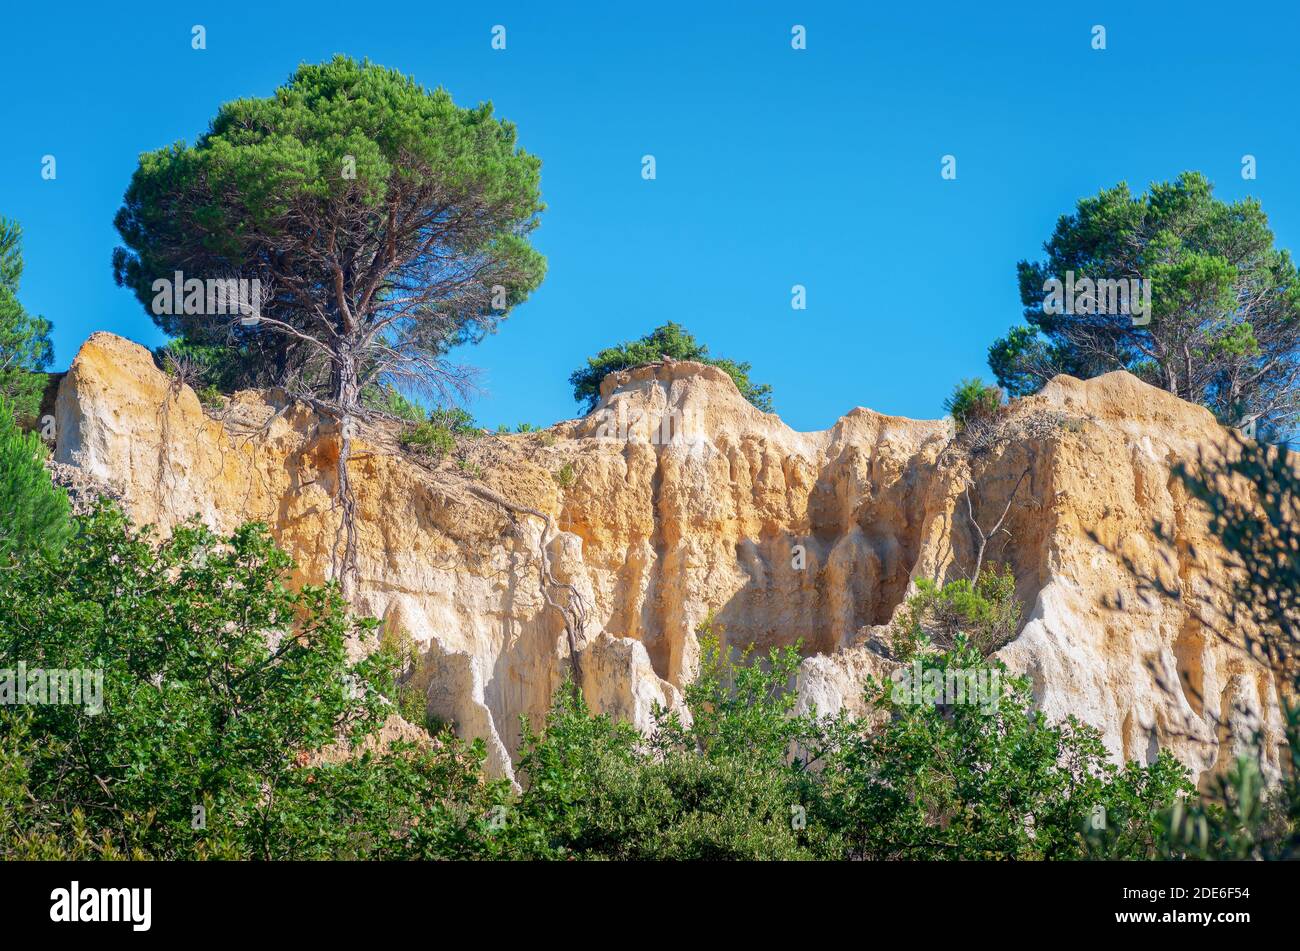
(676, 500)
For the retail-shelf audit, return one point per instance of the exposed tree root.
(574, 611)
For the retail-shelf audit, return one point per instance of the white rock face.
(676, 500)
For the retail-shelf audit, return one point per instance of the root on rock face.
(574, 610)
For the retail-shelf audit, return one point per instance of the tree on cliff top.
(671, 340)
(25, 348)
(385, 224)
(1223, 328)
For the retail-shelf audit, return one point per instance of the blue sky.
(775, 167)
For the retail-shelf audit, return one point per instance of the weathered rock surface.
(676, 500)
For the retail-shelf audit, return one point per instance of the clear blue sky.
(775, 167)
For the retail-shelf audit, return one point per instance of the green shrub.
(455, 420)
(428, 439)
(437, 435)
(199, 365)
(988, 613)
(210, 397)
(945, 779)
(388, 399)
(218, 684)
(721, 788)
(565, 475)
(670, 340)
(973, 401)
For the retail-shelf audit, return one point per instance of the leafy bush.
(991, 780)
(388, 399)
(210, 397)
(670, 340)
(987, 612)
(564, 476)
(749, 778)
(973, 401)
(221, 689)
(437, 435)
(428, 439)
(721, 788)
(455, 420)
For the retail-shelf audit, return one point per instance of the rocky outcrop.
(676, 501)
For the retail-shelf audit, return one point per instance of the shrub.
(219, 684)
(973, 401)
(670, 340)
(988, 613)
(437, 435)
(990, 780)
(200, 366)
(721, 788)
(389, 400)
(565, 475)
(454, 419)
(210, 397)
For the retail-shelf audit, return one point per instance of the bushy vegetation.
(973, 402)
(437, 435)
(200, 366)
(232, 724)
(388, 400)
(221, 690)
(986, 612)
(671, 340)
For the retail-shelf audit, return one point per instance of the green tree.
(1224, 326)
(34, 514)
(991, 779)
(671, 340)
(223, 690)
(25, 348)
(386, 225)
(721, 787)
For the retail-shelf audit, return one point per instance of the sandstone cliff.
(676, 499)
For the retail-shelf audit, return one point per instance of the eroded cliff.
(676, 500)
